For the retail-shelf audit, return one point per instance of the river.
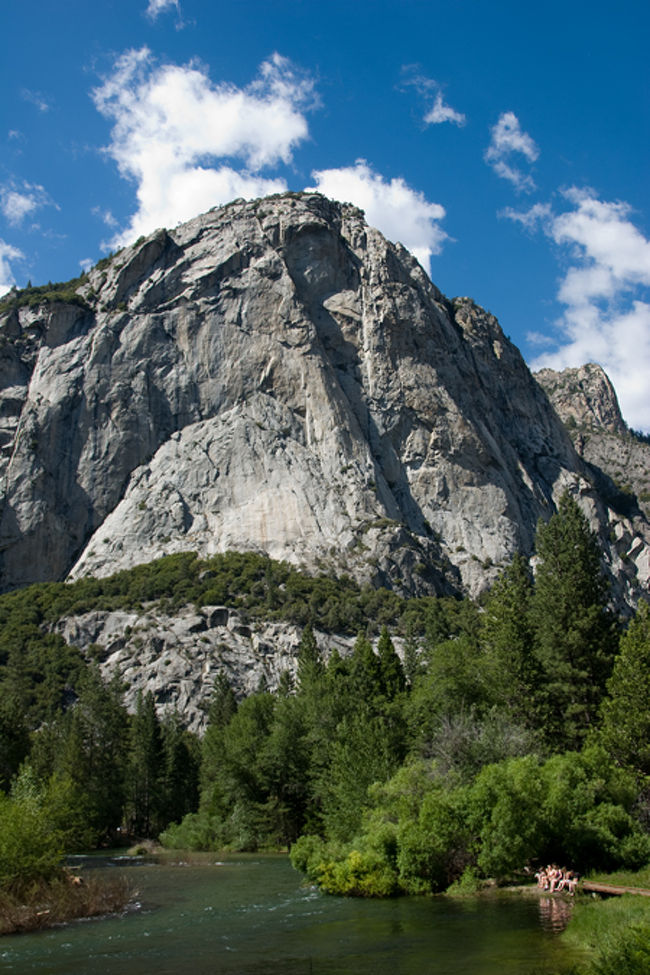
(251, 915)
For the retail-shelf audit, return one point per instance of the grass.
(63, 900)
(613, 933)
(624, 878)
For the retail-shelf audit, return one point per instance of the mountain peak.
(275, 376)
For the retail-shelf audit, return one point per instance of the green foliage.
(32, 297)
(430, 830)
(143, 770)
(358, 874)
(196, 831)
(507, 641)
(14, 740)
(614, 933)
(574, 635)
(629, 954)
(30, 850)
(87, 744)
(625, 713)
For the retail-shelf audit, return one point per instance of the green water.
(251, 915)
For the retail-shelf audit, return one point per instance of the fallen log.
(592, 886)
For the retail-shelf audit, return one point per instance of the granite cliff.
(276, 376)
(586, 402)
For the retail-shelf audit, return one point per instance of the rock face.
(177, 658)
(584, 398)
(276, 376)
(586, 402)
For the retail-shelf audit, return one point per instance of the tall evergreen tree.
(507, 640)
(87, 744)
(179, 773)
(574, 633)
(144, 770)
(365, 671)
(626, 710)
(391, 671)
(310, 661)
(14, 741)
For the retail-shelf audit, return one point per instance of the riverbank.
(613, 932)
(64, 899)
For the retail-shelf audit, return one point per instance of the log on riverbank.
(595, 887)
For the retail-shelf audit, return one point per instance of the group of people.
(554, 879)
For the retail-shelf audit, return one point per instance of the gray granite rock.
(276, 376)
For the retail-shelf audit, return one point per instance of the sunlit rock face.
(586, 402)
(276, 376)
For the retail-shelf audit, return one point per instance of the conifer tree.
(365, 672)
(507, 640)
(574, 633)
(310, 661)
(145, 766)
(87, 744)
(179, 773)
(391, 671)
(626, 711)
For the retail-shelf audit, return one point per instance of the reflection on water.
(252, 916)
(554, 913)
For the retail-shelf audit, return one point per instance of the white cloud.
(157, 7)
(530, 219)
(16, 205)
(35, 98)
(7, 254)
(443, 113)
(105, 216)
(439, 111)
(604, 291)
(401, 213)
(508, 138)
(173, 128)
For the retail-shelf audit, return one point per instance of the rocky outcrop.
(584, 398)
(586, 402)
(277, 376)
(177, 658)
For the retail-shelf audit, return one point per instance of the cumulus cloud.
(7, 254)
(189, 144)
(401, 213)
(16, 204)
(605, 293)
(508, 138)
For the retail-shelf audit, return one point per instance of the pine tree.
(310, 661)
(179, 773)
(391, 671)
(145, 768)
(626, 711)
(87, 744)
(507, 640)
(412, 654)
(574, 633)
(365, 679)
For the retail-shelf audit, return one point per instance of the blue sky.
(506, 144)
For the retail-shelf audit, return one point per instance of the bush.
(30, 852)
(360, 874)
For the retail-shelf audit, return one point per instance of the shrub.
(30, 852)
